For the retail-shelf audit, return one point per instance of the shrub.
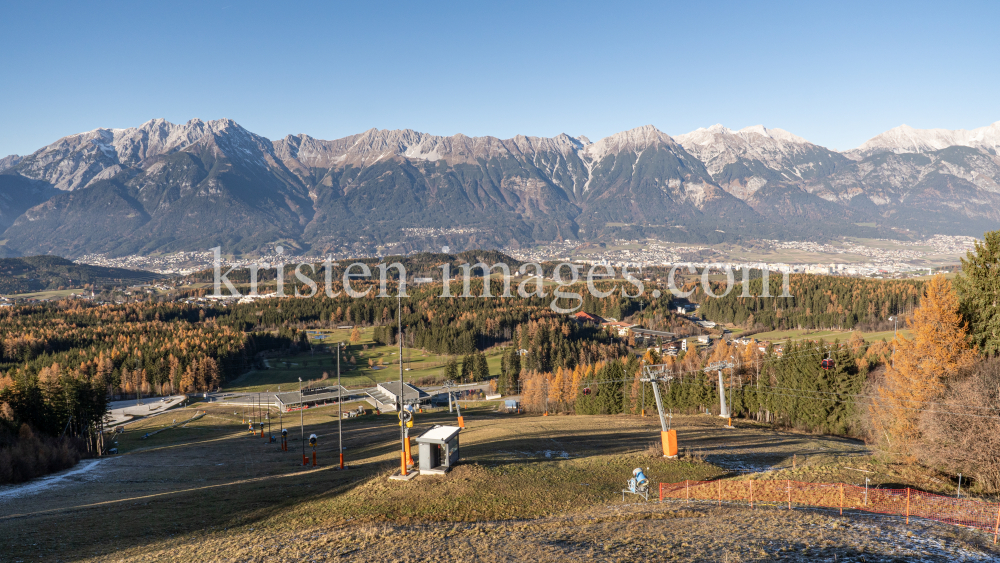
(962, 433)
(28, 455)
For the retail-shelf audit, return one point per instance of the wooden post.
(996, 529)
(788, 488)
(841, 499)
(687, 491)
(907, 505)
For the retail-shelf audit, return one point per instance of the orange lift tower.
(655, 375)
(461, 420)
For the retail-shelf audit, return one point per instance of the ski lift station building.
(384, 396)
(311, 397)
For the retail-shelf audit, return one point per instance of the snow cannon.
(638, 484)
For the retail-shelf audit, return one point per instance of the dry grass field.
(421, 366)
(529, 488)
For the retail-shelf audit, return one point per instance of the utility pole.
(402, 426)
(340, 411)
(895, 325)
(731, 381)
(302, 427)
(138, 383)
(547, 397)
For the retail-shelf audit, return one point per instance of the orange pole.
(461, 422)
(907, 505)
(402, 462)
(314, 458)
(341, 461)
(305, 461)
(841, 499)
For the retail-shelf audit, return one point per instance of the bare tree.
(962, 432)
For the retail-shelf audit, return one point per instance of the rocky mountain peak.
(9, 161)
(634, 140)
(746, 160)
(77, 160)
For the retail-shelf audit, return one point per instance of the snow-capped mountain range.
(906, 139)
(164, 186)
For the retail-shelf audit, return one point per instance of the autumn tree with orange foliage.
(920, 368)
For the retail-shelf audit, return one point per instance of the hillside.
(40, 273)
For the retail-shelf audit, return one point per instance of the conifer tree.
(482, 369)
(468, 367)
(451, 370)
(979, 292)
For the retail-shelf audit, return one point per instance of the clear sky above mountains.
(835, 73)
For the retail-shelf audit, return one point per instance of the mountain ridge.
(164, 186)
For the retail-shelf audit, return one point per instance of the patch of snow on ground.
(45, 483)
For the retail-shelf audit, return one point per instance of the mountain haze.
(165, 187)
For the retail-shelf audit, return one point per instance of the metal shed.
(438, 449)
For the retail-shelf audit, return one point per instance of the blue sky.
(836, 73)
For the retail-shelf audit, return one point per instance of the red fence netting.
(897, 502)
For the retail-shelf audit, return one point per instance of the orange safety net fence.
(905, 503)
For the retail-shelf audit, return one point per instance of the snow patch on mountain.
(906, 139)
